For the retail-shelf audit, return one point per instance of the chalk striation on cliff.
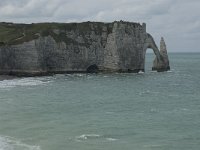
(37, 49)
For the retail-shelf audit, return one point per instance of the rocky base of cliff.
(161, 69)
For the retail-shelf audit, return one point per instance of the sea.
(118, 111)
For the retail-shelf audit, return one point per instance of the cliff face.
(35, 49)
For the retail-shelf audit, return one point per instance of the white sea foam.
(84, 137)
(111, 139)
(8, 143)
(88, 136)
(80, 75)
(146, 92)
(76, 75)
(141, 72)
(23, 82)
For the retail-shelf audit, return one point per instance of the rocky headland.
(46, 48)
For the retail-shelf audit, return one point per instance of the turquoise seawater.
(150, 111)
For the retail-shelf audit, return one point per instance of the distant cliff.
(37, 49)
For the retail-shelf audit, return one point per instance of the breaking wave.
(111, 139)
(88, 136)
(141, 72)
(24, 82)
(94, 137)
(8, 143)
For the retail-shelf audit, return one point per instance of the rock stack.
(163, 63)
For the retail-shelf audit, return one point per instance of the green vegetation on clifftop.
(12, 34)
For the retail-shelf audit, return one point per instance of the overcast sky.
(177, 20)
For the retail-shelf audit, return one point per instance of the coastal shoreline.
(7, 77)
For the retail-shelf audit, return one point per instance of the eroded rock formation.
(162, 64)
(36, 49)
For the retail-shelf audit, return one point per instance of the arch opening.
(93, 69)
(149, 58)
(150, 44)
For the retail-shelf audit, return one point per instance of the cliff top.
(12, 33)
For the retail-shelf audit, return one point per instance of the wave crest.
(88, 136)
(84, 137)
(8, 143)
(23, 82)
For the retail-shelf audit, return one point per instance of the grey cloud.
(12, 2)
(177, 20)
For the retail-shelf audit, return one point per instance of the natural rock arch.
(161, 62)
(150, 43)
